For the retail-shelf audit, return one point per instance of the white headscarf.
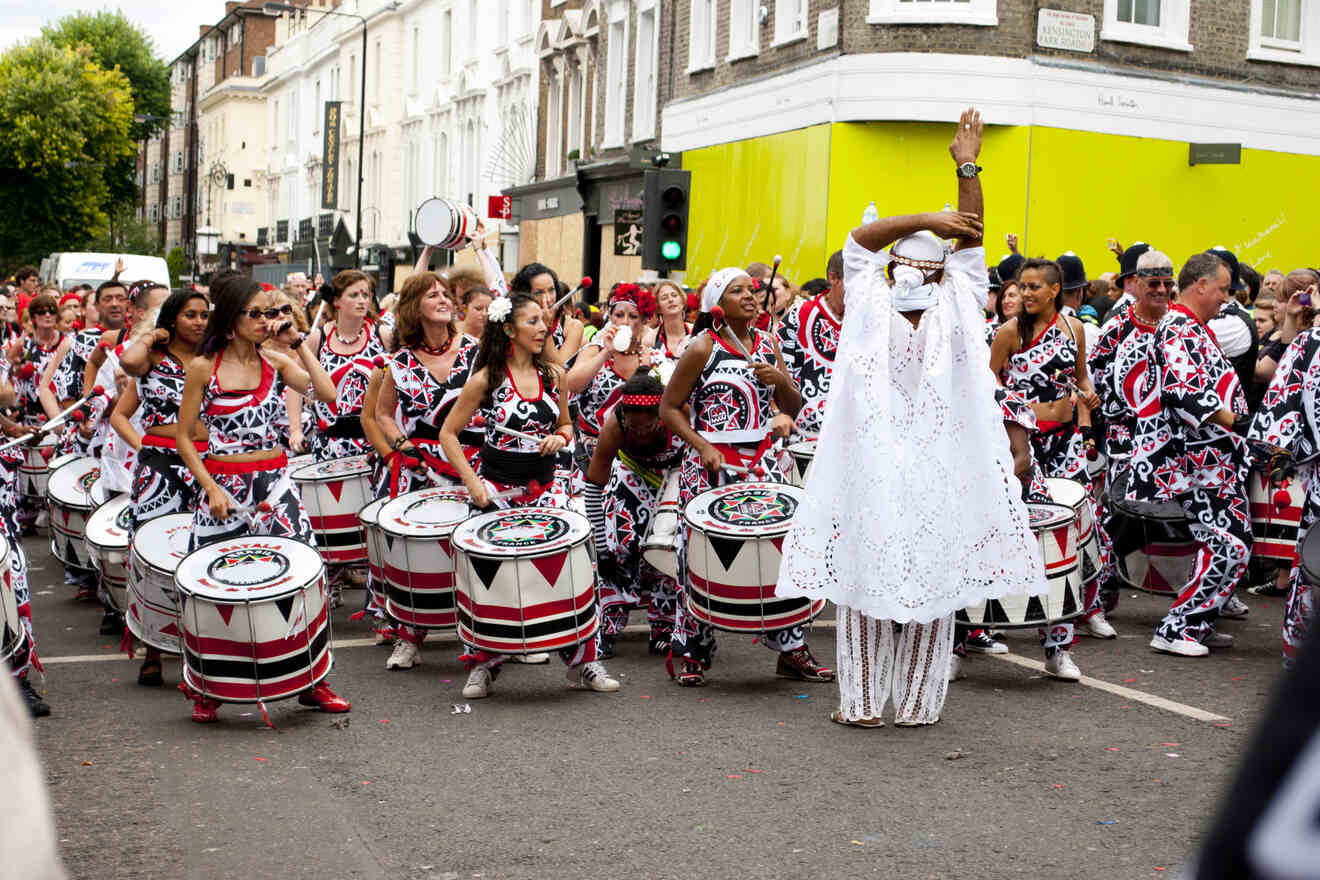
(918, 256)
(718, 283)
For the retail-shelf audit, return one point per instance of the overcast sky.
(171, 24)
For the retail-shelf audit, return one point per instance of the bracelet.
(297, 342)
(568, 438)
(397, 443)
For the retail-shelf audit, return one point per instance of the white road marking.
(1126, 693)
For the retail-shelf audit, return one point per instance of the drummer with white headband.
(728, 378)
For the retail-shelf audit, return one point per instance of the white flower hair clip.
(499, 310)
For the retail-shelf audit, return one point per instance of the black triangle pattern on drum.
(1069, 600)
(486, 569)
(72, 551)
(994, 612)
(1035, 611)
(389, 539)
(726, 549)
(286, 606)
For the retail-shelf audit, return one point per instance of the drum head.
(1309, 556)
(163, 541)
(1069, 493)
(523, 532)
(248, 569)
(71, 484)
(370, 515)
(301, 461)
(745, 509)
(1048, 516)
(434, 221)
(109, 524)
(338, 469)
(427, 513)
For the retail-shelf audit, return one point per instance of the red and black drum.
(1153, 548)
(1276, 514)
(1055, 528)
(333, 493)
(34, 472)
(13, 635)
(525, 581)
(255, 619)
(735, 537)
(418, 564)
(71, 503)
(369, 516)
(801, 454)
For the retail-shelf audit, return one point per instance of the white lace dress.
(913, 511)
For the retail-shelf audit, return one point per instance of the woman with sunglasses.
(29, 356)
(347, 348)
(146, 417)
(234, 390)
(297, 421)
(720, 403)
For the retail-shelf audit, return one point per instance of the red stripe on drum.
(530, 614)
(732, 592)
(352, 554)
(250, 692)
(208, 646)
(413, 580)
(338, 522)
(755, 625)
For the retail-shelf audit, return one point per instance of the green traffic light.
(671, 250)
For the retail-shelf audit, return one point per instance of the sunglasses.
(35, 312)
(1157, 283)
(270, 314)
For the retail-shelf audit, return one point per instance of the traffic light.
(665, 200)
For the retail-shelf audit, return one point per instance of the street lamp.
(279, 8)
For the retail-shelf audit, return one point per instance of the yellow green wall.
(799, 193)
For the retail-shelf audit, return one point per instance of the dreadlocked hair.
(493, 355)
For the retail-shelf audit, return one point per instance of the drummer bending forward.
(633, 456)
(516, 388)
(730, 402)
(235, 389)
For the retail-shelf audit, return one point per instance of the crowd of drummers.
(219, 469)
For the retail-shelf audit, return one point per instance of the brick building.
(794, 114)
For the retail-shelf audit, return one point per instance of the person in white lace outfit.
(913, 510)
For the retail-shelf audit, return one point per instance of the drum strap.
(645, 474)
(422, 460)
(735, 455)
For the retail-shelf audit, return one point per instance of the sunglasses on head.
(270, 314)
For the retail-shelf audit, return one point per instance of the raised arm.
(965, 149)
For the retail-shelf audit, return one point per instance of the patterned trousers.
(630, 505)
(1299, 613)
(162, 484)
(1221, 525)
(248, 485)
(876, 662)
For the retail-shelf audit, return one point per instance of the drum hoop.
(424, 212)
(298, 584)
(777, 531)
(472, 524)
(326, 478)
(1065, 515)
(477, 554)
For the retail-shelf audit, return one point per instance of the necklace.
(437, 352)
(355, 337)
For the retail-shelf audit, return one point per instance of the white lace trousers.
(875, 663)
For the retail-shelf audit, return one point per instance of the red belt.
(216, 466)
(398, 460)
(733, 455)
(158, 442)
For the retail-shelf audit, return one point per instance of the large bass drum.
(71, 503)
(159, 545)
(107, 547)
(418, 568)
(1055, 528)
(1153, 548)
(333, 493)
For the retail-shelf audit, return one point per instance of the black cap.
(1009, 265)
(1231, 261)
(1074, 273)
(1127, 264)
(995, 283)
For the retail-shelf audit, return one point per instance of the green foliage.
(66, 120)
(178, 264)
(128, 235)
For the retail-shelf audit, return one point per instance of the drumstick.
(585, 282)
(519, 434)
(54, 422)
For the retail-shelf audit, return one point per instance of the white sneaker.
(478, 683)
(1217, 640)
(1181, 646)
(43, 519)
(531, 659)
(383, 638)
(406, 655)
(1062, 667)
(593, 676)
(956, 669)
(1234, 609)
(1097, 626)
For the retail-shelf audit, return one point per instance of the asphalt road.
(1023, 776)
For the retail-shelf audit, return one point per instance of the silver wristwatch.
(969, 169)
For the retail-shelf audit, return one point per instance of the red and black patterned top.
(243, 419)
(38, 356)
(350, 374)
(598, 399)
(160, 392)
(1120, 365)
(425, 401)
(809, 340)
(68, 377)
(728, 404)
(1287, 415)
(537, 415)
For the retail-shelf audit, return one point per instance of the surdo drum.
(444, 223)
(418, 564)
(1274, 526)
(1055, 527)
(525, 580)
(369, 516)
(1153, 548)
(660, 546)
(107, 547)
(333, 492)
(71, 503)
(1073, 494)
(255, 619)
(801, 455)
(735, 533)
(13, 635)
(153, 603)
(34, 472)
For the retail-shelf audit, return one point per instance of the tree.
(65, 119)
(178, 264)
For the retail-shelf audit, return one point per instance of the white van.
(69, 270)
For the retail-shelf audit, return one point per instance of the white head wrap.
(715, 287)
(917, 257)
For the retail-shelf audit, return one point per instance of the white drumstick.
(510, 432)
(55, 422)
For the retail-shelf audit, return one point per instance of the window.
(977, 12)
(502, 22)
(352, 78)
(616, 79)
(554, 136)
(375, 75)
(440, 178)
(701, 36)
(415, 78)
(318, 111)
(1161, 23)
(1286, 31)
(744, 28)
(293, 115)
(644, 69)
(471, 28)
(790, 21)
(446, 42)
(275, 122)
(573, 101)
(153, 212)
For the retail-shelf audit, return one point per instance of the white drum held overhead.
(153, 604)
(333, 493)
(255, 619)
(107, 547)
(525, 581)
(418, 564)
(71, 503)
(735, 536)
(444, 223)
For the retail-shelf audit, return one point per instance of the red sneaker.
(204, 710)
(324, 699)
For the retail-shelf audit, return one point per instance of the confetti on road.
(1059, 785)
(800, 696)
(734, 776)
(1108, 822)
(779, 723)
(87, 763)
(1128, 680)
(1170, 745)
(1172, 755)
(1224, 724)
(1239, 678)
(384, 721)
(646, 696)
(366, 782)
(750, 770)
(856, 843)
(262, 760)
(1112, 749)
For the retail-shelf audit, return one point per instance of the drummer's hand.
(606, 339)
(552, 443)
(712, 459)
(768, 374)
(1092, 400)
(86, 430)
(782, 425)
(218, 500)
(480, 497)
(297, 442)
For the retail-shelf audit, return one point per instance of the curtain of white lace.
(912, 508)
(874, 663)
